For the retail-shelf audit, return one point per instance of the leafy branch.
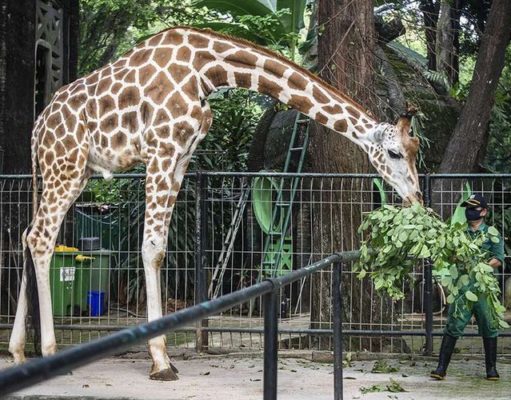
(400, 237)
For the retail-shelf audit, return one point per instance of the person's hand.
(495, 263)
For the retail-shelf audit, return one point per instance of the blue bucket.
(96, 302)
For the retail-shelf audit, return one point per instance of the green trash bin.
(62, 283)
(72, 275)
(92, 274)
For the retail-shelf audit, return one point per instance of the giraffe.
(150, 106)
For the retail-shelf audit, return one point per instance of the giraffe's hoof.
(19, 358)
(173, 368)
(168, 374)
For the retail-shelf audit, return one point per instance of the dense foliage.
(111, 27)
(400, 237)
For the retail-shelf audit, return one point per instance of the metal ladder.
(301, 122)
(228, 246)
(277, 240)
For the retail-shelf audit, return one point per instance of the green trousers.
(456, 323)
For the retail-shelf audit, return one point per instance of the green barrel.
(63, 270)
(73, 274)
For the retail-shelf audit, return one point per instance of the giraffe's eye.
(394, 155)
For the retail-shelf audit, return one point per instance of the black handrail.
(35, 371)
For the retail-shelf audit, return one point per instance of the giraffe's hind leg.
(61, 187)
(18, 335)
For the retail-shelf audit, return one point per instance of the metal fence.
(229, 231)
(27, 374)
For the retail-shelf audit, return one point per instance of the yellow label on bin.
(65, 249)
(82, 258)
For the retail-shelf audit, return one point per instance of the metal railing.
(38, 370)
(207, 207)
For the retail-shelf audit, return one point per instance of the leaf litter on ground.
(383, 367)
(393, 387)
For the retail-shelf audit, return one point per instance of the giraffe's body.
(150, 107)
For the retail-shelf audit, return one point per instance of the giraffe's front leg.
(153, 253)
(161, 191)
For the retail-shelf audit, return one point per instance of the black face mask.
(472, 214)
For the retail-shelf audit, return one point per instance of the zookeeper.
(476, 209)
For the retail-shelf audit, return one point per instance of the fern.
(437, 77)
(420, 64)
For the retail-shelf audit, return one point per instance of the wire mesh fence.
(228, 231)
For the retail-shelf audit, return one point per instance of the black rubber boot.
(444, 358)
(490, 356)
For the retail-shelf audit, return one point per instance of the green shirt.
(494, 250)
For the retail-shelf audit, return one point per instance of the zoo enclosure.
(220, 241)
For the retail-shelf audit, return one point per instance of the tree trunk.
(430, 10)
(470, 137)
(345, 59)
(445, 50)
(456, 15)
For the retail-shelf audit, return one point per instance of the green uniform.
(456, 323)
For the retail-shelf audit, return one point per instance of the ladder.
(278, 242)
(230, 238)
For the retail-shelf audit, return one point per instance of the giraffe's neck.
(227, 62)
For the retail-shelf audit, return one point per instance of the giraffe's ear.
(377, 135)
(405, 120)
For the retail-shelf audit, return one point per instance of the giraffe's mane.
(272, 54)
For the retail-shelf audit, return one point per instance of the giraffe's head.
(393, 152)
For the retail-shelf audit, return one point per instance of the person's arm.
(497, 253)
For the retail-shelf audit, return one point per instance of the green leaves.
(494, 239)
(503, 324)
(470, 296)
(275, 23)
(453, 271)
(402, 237)
(236, 7)
(493, 231)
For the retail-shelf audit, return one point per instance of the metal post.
(428, 281)
(270, 345)
(337, 321)
(427, 190)
(201, 339)
(428, 308)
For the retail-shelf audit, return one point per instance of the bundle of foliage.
(400, 237)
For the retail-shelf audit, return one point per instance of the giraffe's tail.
(28, 262)
(32, 294)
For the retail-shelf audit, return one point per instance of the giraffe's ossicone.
(150, 107)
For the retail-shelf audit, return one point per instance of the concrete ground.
(240, 377)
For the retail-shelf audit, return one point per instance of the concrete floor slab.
(240, 378)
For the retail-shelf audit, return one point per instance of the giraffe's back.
(136, 99)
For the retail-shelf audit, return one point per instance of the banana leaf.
(293, 22)
(459, 214)
(379, 184)
(239, 7)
